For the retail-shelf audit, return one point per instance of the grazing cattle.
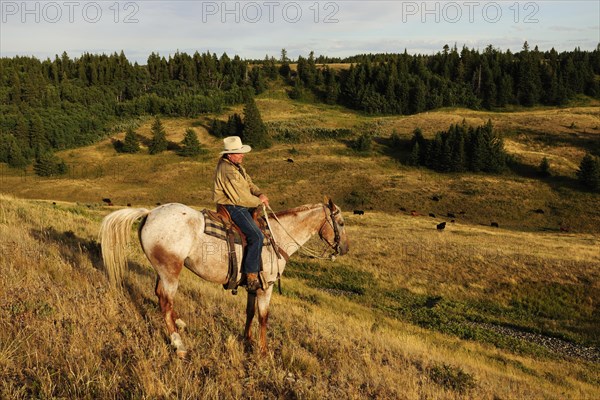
(359, 212)
(128, 204)
(435, 198)
(452, 221)
(107, 201)
(402, 209)
(495, 225)
(441, 226)
(450, 215)
(432, 215)
(158, 204)
(414, 213)
(462, 213)
(539, 211)
(290, 160)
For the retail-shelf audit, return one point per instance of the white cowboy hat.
(233, 145)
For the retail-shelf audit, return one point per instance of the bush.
(364, 143)
(453, 378)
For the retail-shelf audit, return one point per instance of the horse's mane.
(297, 210)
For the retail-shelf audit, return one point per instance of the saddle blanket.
(214, 227)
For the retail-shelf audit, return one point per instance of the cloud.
(253, 29)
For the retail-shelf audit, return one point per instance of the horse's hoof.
(182, 354)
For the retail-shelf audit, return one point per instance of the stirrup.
(253, 286)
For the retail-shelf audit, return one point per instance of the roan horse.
(172, 236)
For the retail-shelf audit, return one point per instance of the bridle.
(333, 212)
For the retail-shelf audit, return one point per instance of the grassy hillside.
(372, 181)
(409, 313)
(412, 312)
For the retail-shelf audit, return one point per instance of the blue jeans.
(254, 237)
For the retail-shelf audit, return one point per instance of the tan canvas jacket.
(233, 186)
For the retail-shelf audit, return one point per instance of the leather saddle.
(233, 235)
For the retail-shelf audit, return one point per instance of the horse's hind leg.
(250, 311)
(166, 293)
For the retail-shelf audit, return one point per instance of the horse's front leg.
(250, 311)
(263, 300)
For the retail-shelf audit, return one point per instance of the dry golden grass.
(63, 333)
(66, 334)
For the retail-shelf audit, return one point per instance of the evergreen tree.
(10, 152)
(47, 164)
(15, 157)
(190, 145)
(37, 136)
(544, 168)
(297, 91)
(284, 69)
(255, 131)
(131, 144)
(235, 125)
(332, 87)
(588, 173)
(159, 138)
(415, 155)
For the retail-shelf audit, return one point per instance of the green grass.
(563, 311)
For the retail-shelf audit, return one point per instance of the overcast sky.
(253, 29)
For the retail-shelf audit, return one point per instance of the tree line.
(48, 105)
(65, 102)
(409, 84)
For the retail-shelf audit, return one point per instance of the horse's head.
(333, 231)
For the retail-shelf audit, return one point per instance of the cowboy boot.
(252, 283)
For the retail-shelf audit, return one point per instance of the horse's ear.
(331, 205)
(326, 199)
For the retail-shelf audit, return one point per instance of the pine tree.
(159, 138)
(131, 144)
(588, 173)
(47, 164)
(544, 168)
(255, 131)
(415, 155)
(190, 145)
(15, 157)
(10, 151)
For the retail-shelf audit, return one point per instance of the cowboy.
(234, 189)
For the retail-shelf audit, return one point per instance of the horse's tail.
(115, 234)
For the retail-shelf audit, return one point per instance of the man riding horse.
(235, 191)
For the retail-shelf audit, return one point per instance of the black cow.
(107, 201)
(432, 215)
(441, 226)
(359, 212)
(495, 225)
(450, 215)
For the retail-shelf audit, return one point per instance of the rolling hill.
(473, 311)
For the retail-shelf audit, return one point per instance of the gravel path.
(554, 345)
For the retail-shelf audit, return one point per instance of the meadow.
(472, 311)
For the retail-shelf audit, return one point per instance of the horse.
(172, 237)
